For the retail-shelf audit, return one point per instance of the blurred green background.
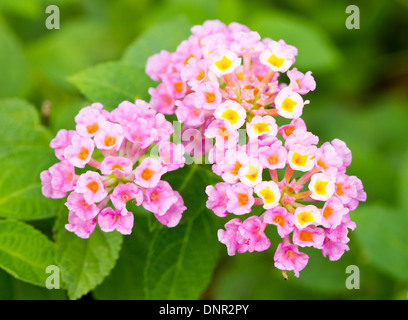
(361, 98)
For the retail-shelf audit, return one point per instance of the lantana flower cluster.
(111, 158)
(223, 82)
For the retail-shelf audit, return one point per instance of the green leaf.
(403, 183)
(181, 259)
(316, 51)
(14, 67)
(25, 252)
(382, 233)
(24, 153)
(126, 280)
(165, 35)
(84, 263)
(113, 82)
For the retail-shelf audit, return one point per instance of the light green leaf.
(166, 35)
(84, 263)
(25, 252)
(382, 233)
(181, 259)
(113, 82)
(24, 153)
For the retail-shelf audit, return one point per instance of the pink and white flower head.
(112, 147)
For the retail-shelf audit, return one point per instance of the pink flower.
(240, 197)
(89, 119)
(309, 236)
(188, 112)
(61, 141)
(160, 198)
(81, 228)
(208, 95)
(123, 193)
(47, 187)
(137, 132)
(281, 218)
(161, 100)
(334, 250)
(273, 156)
(333, 212)
(110, 220)
(301, 137)
(287, 130)
(225, 135)
(252, 230)
(117, 165)
(62, 176)
(83, 210)
(80, 151)
(301, 83)
(350, 190)
(172, 155)
(158, 64)
(109, 136)
(194, 72)
(91, 186)
(217, 198)
(172, 216)
(288, 257)
(149, 172)
(232, 238)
